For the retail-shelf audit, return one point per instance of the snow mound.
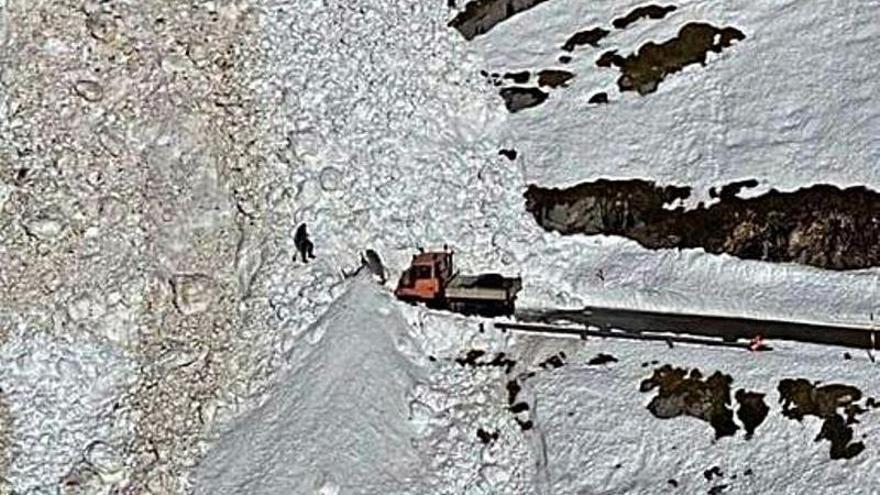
(338, 420)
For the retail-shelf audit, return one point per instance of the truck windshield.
(420, 272)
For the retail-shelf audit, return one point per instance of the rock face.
(643, 12)
(644, 70)
(480, 16)
(516, 99)
(682, 393)
(821, 225)
(836, 404)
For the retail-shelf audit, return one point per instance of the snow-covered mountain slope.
(787, 111)
(395, 155)
(377, 399)
(370, 401)
(157, 157)
(600, 437)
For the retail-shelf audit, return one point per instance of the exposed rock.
(644, 70)
(752, 410)
(800, 398)
(589, 37)
(516, 99)
(510, 154)
(599, 98)
(480, 16)
(554, 78)
(821, 225)
(521, 77)
(679, 394)
(601, 359)
(643, 12)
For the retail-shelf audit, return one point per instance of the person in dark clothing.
(303, 243)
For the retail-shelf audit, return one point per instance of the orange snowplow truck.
(431, 279)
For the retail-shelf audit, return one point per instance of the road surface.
(728, 328)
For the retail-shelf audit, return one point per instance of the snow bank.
(600, 437)
(337, 421)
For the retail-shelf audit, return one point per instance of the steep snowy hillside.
(337, 420)
(361, 409)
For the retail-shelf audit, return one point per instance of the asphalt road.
(730, 329)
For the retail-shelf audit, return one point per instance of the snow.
(337, 421)
(383, 135)
(594, 419)
(53, 426)
(786, 112)
(396, 147)
(389, 133)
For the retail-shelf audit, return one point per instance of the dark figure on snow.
(303, 243)
(373, 262)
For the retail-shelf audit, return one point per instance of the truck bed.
(488, 287)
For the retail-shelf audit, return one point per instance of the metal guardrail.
(585, 333)
(729, 329)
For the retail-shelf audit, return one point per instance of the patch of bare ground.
(752, 410)
(480, 16)
(644, 70)
(517, 98)
(680, 393)
(598, 98)
(554, 78)
(822, 225)
(643, 12)
(587, 37)
(520, 77)
(837, 405)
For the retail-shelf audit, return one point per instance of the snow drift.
(338, 420)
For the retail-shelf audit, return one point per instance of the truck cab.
(426, 278)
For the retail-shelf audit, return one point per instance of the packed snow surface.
(337, 421)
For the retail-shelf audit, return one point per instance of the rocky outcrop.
(822, 225)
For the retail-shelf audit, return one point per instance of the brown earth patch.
(516, 99)
(599, 98)
(644, 70)
(520, 77)
(480, 16)
(687, 394)
(801, 398)
(587, 37)
(822, 225)
(554, 78)
(752, 410)
(643, 12)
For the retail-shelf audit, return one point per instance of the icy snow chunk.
(193, 294)
(88, 90)
(44, 228)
